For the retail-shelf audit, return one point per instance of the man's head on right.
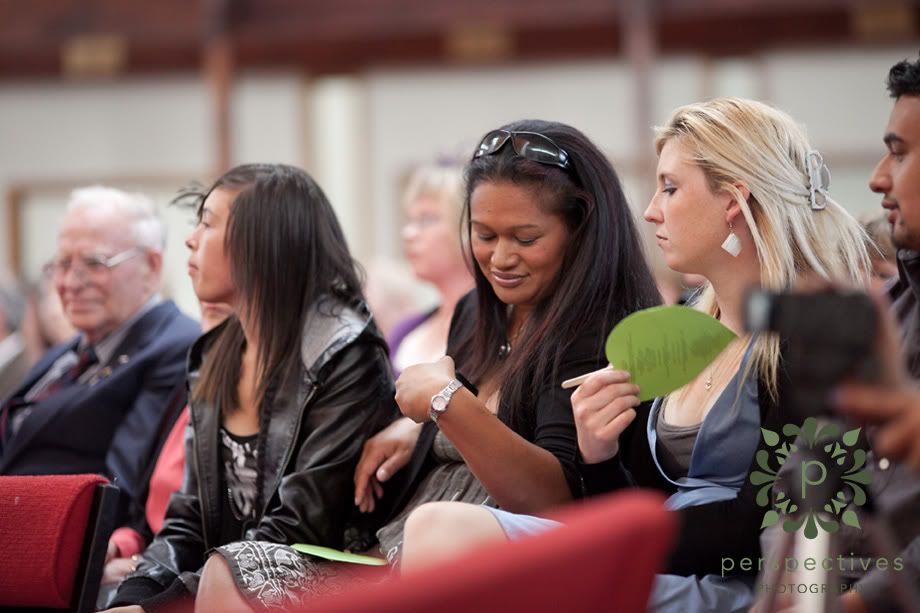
(108, 260)
(897, 175)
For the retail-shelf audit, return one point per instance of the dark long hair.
(603, 276)
(286, 252)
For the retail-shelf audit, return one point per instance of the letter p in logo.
(812, 477)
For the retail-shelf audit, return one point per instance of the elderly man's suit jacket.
(113, 423)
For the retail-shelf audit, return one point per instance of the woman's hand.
(383, 455)
(897, 410)
(111, 551)
(134, 608)
(117, 569)
(417, 384)
(603, 406)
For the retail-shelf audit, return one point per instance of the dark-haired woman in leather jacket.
(283, 394)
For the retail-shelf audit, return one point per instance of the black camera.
(826, 337)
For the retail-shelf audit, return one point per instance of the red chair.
(54, 531)
(605, 559)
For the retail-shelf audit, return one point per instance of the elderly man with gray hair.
(99, 402)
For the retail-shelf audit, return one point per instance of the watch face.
(439, 403)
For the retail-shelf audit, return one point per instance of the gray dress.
(450, 480)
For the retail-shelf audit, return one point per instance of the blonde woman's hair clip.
(819, 180)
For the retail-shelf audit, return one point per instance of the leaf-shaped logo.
(827, 446)
(770, 437)
(850, 437)
(666, 347)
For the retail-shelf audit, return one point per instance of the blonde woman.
(741, 200)
(431, 240)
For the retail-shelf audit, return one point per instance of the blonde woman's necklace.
(715, 367)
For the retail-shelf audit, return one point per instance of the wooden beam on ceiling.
(326, 36)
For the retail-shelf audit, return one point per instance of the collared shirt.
(105, 349)
(10, 347)
(105, 352)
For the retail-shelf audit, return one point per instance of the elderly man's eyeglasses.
(91, 264)
(529, 145)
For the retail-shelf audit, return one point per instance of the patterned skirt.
(275, 577)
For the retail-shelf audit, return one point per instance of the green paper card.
(327, 553)
(666, 347)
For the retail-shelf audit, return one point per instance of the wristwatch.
(440, 400)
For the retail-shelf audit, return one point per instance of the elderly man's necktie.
(86, 357)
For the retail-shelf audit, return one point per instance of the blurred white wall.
(153, 134)
(416, 115)
(838, 94)
(360, 134)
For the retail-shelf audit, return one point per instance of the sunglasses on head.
(529, 145)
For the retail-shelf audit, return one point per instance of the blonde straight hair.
(440, 180)
(743, 141)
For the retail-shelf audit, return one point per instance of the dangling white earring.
(732, 245)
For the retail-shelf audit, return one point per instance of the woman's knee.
(440, 530)
(216, 571)
(442, 520)
(217, 588)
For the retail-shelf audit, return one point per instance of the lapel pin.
(102, 374)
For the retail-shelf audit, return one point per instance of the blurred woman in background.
(882, 252)
(431, 239)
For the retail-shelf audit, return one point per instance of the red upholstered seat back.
(42, 529)
(605, 559)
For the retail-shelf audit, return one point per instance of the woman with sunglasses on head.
(282, 395)
(557, 263)
(741, 200)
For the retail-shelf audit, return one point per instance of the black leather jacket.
(315, 437)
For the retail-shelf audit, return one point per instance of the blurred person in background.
(678, 288)
(669, 284)
(391, 291)
(431, 239)
(96, 404)
(45, 325)
(882, 252)
(14, 359)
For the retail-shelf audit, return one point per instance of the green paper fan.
(666, 347)
(327, 553)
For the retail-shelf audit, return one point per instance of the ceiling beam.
(329, 36)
